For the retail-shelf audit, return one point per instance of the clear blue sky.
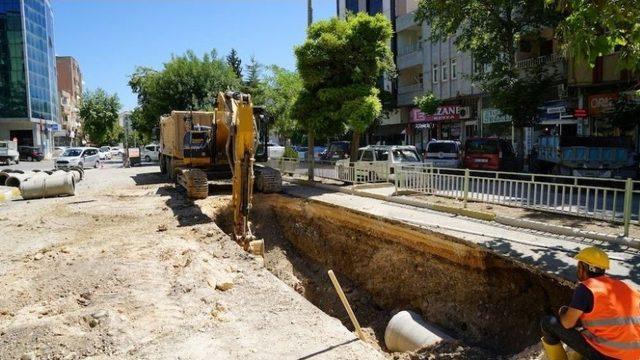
(109, 38)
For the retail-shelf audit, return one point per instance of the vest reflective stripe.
(634, 320)
(613, 344)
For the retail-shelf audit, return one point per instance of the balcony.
(541, 60)
(407, 21)
(410, 56)
(406, 93)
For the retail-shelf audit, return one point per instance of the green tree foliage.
(252, 84)
(280, 89)
(594, 28)
(185, 82)
(234, 61)
(99, 113)
(427, 103)
(340, 64)
(491, 30)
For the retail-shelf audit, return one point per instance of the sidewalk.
(550, 253)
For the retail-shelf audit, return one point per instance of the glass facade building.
(29, 105)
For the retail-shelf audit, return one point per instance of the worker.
(603, 319)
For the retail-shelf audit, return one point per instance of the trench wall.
(474, 294)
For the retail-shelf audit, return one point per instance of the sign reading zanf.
(492, 116)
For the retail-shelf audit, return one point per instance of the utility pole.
(310, 134)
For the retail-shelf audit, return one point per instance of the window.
(374, 7)
(352, 6)
(367, 156)
(434, 74)
(454, 69)
(445, 71)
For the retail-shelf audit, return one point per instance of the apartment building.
(70, 91)
(28, 85)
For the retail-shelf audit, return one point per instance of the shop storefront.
(449, 122)
(496, 124)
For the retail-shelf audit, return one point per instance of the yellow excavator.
(229, 142)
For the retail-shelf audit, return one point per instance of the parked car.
(9, 152)
(82, 157)
(443, 153)
(30, 153)
(490, 154)
(58, 150)
(379, 162)
(337, 150)
(302, 151)
(151, 153)
(104, 153)
(275, 151)
(116, 151)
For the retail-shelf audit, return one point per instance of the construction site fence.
(612, 200)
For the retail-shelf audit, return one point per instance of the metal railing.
(540, 60)
(603, 199)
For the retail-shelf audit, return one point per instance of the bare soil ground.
(130, 269)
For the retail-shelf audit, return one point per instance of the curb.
(487, 216)
(567, 231)
(8, 193)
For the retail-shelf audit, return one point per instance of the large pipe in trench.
(41, 185)
(407, 331)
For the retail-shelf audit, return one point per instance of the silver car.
(82, 157)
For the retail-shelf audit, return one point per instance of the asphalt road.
(48, 164)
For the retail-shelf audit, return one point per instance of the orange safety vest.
(613, 326)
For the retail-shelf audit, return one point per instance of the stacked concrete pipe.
(42, 184)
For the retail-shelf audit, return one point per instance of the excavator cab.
(263, 119)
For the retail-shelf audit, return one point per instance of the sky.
(109, 38)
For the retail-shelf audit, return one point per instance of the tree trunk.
(518, 138)
(355, 144)
(310, 154)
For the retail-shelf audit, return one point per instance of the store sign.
(444, 112)
(601, 103)
(556, 110)
(492, 116)
(580, 113)
(553, 110)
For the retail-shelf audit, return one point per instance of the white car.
(82, 157)
(116, 151)
(444, 154)
(104, 153)
(9, 152)
(150, 153)
(275, 151)
(376, 163)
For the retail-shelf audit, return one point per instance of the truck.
(587, 156)
(9, 152)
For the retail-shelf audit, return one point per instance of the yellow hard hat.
(594, 257)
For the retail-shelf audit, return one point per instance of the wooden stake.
(346, 305)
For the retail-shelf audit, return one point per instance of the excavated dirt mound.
(483, 299)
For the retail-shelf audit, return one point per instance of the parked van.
(379, 162)
(151, 152)
(443, 153)
(490, 154)
(9, 152)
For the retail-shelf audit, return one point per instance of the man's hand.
(569, 316)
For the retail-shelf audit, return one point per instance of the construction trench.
(488, 302)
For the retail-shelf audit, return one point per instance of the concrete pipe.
(6, 173)
(57, 184)
(15, 179)
(407, 331)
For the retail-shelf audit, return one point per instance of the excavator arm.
(236, 110)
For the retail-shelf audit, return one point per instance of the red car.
(490, 154)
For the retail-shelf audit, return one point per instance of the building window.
(445, 71)
(352, 6)
(374, 7)
(434, 74)
(454, 69)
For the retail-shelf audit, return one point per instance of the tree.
(340, 64)
(427, 103)
(234, 61)
(280, 90)
(99, 113)
(185, 82)
(252, 82)
(594, 28)
(491, 31)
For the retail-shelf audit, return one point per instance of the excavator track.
(268, 180)
(195, 182)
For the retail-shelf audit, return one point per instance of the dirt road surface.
(128, 268)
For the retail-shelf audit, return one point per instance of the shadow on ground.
(184, 210)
